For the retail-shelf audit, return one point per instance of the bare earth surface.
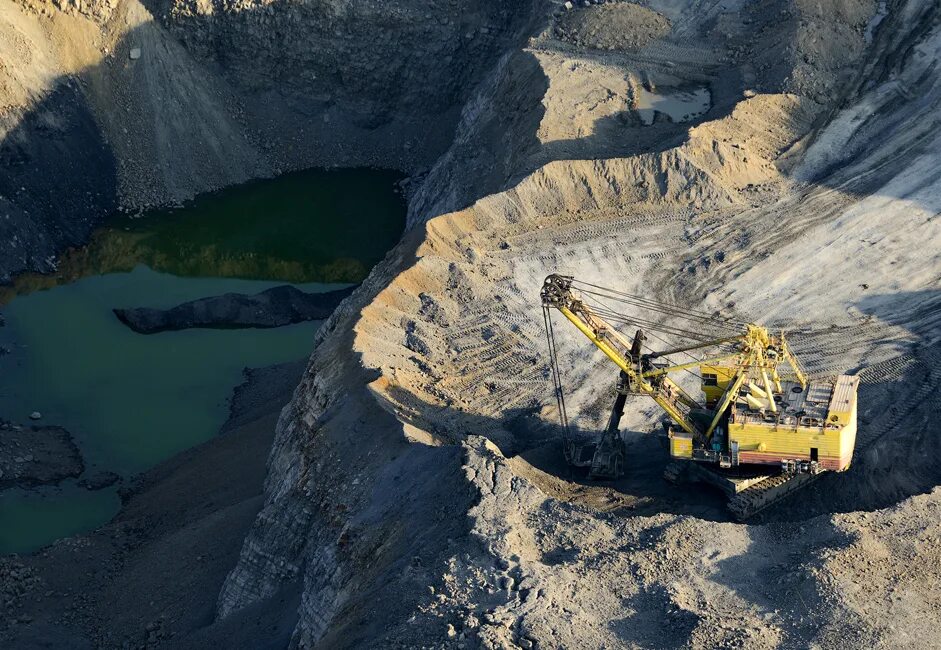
(799, 198)
(415, 495)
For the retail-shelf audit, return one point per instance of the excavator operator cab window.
(708, 379)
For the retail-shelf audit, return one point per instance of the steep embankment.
(780, 203)
(129, 104)
(45, 202)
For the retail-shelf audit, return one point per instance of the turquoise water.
(133, 400)
(129, 400)
(310, 226)
(34, 518)
(262, 230)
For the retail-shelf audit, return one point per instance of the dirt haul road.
(415, 492)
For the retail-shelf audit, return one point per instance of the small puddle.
(132, 400)
(678, 105)
(34, 518)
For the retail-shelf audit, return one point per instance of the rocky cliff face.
(123, 104)
(380, 60)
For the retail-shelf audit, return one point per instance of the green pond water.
(133, 400)
(312, 226)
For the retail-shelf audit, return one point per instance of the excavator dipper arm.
(757, 353)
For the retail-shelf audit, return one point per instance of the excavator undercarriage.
(761, 430)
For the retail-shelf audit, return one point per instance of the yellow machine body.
(681, 445)
(813, 424)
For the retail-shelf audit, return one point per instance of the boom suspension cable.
(662, 307)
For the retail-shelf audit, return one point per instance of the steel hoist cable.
(556, 376)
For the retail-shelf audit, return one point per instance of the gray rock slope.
(444, 518)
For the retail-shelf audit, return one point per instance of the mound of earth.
(273, 307)
(621, 26)
(36, 455)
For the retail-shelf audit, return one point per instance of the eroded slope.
(122, 104)
(791, 199)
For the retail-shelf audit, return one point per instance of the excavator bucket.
(608, 460)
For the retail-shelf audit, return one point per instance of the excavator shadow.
(533, 447)
(642, 490)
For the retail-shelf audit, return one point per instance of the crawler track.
(756, 498)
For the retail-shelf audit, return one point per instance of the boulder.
(37, 456)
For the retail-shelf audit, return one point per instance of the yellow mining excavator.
(761, 429)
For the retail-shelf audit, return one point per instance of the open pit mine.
(467, 324)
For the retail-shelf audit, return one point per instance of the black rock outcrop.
(273, 307)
